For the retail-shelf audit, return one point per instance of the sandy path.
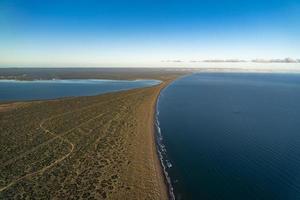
(56, 136)
(130, 130)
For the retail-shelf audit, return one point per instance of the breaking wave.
(162, 153)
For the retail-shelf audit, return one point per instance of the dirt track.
(88, 147)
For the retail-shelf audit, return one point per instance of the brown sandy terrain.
(99, 147)
(10, 106)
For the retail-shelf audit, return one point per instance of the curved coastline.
(160, 148)
(162, 153)
(143, 173)
(66, 88)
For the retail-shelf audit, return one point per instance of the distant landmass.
(174, 61)
(284, 60)
(226, 60)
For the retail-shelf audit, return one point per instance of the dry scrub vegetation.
(98, 147)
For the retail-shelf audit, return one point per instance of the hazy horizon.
(145, 33)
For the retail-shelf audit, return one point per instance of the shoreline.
(167, 184)
(158, 165)
(128, 151)
(159, 150)
(148, 111)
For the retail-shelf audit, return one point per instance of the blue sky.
(144, 32)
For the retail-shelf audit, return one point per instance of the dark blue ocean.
(232, 136)
(12, 90)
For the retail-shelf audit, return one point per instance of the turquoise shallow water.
(232, 136)
(11, 90)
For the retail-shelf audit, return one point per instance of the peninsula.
(97, 147)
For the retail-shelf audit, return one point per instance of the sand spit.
(100, 147)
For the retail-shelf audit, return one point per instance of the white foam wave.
(162, 153)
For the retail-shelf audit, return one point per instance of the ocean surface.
(232, 136)
(13, 90)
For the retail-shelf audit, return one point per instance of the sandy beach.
(97, 147)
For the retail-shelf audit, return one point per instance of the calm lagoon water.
(12, 90)
(232, 136)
